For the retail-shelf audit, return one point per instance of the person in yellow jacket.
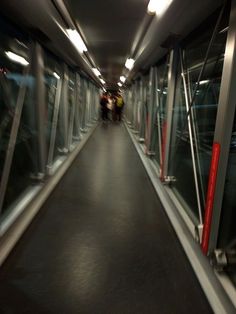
(119, 105)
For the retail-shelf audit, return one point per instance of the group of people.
(111, 106)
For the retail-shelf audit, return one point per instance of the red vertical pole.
(210, 197)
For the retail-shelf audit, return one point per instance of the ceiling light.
(129, 63)
(76, 40)
(56, 75)
(16, 58)
(122, 78)
(102, 81)
(119, 84)
(203, 82)
(158, 6)
(151, 7)
(96, 72)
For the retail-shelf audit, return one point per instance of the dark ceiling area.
(109, 28)
(112, 30)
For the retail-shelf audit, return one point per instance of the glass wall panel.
(160, 111)
(52, 76)
(204, 100)
(14, 58)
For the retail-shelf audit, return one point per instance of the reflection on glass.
(161, 90)
(14, 56)
(52, 75)
(24, 167)
(203, 116)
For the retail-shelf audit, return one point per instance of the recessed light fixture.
(76, 40)
(158, 6)
(123, 79)
(16, 58)
(129, 63)
(204, 82)
(56, 75)
(119, 84)
(96, 72)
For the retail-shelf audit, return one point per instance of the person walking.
(104, 103)
(119, 105)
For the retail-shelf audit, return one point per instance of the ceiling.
(112, 30)
(109, 28)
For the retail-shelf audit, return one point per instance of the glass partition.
(194, 116)
(15, 104)
(160, 111)
(52, 80)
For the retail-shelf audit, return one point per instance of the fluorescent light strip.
(204, 82)
(56, 75)
(129, 63)
(16, 58)
(76, 40)
(102, 81)
(123, 79)
(151, 7)
(158, 6)
(96, 72)
(119, 84)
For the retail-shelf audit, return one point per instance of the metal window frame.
(192, 134)
(40, 106)
(71, 119)
(63, 118)
(224, 124)
(54, 125)
(77, 103)
(172, 81)
(150, 115)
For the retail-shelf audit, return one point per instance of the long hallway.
(101, 243)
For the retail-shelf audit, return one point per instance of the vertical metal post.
(64, 109)
(71, 120)
(154, 108)
(40, 106)
(172, 77)
(159, 119)
(195, 135)
(224, 124)
(141, 128)
(77, 104)
(13, 136)
(150, 115)
(190, 122)
(54, 124)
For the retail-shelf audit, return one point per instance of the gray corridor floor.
(101, 243)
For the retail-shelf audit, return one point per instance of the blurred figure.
(119, 105)
(104, 108)
(110, 107)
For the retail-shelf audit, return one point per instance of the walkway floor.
(101, 244)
